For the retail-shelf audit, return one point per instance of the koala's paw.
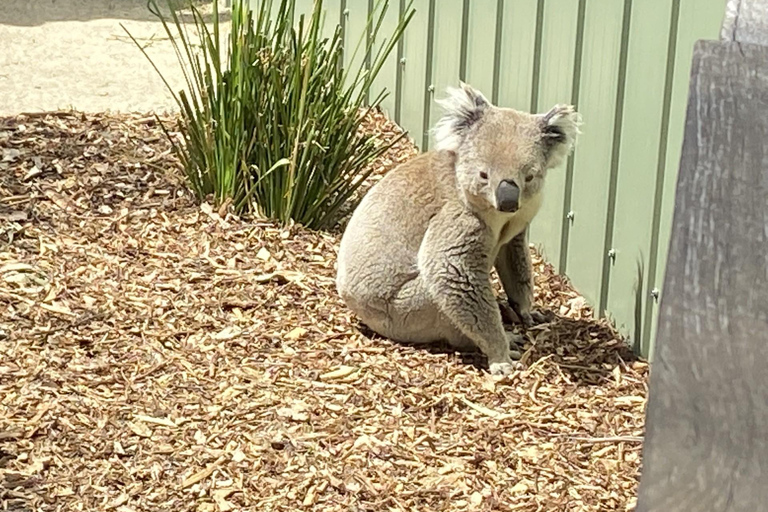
(505, 368)
(529, 317)
(532, 318)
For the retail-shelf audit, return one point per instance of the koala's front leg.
(513, 264)
(454, 262)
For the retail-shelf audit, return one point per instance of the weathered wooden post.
(706, 447)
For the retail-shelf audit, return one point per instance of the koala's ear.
(560, 130)
(463, 107)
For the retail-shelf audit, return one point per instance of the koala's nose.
(507, 195)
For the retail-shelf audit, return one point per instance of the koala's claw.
(514, 339)
(505, 368)
(526, 319)
(530, 318)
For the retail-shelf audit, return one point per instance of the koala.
(415, 259)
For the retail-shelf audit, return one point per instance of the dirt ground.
(59, 54)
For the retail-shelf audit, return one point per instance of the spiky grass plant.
(271, 118)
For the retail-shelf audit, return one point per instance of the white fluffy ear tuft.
(562, 127)
(463, 107)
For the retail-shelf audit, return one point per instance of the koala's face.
(503, 154)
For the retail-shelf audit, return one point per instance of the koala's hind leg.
(411, 316)
(404, 313)
(513, 264)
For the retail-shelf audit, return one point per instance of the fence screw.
(346, 13)
(612, 254)
(570, 215)
(655, 294)
(431, 88)
(402, 61)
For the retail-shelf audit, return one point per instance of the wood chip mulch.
(156, 355)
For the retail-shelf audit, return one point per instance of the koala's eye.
(529, 178)
(484, 175)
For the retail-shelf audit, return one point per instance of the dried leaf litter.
(160, 355)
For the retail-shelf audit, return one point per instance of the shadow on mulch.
(585, 350)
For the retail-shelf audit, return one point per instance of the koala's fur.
(415, 259)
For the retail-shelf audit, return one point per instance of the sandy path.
(59, 54)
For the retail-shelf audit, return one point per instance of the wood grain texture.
(706, 446)
(746, 21)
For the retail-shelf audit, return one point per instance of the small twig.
(13, 200)
(535, 388)
(203, 474)
(15, 296)
(57, 113)
(150, 371)
(86, 318)
(484, 410)
(601, 440)
(578, 367)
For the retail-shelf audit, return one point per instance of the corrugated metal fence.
(624, 63)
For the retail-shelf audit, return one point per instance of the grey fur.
(513, 265)
(415, 260)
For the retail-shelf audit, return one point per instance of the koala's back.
(379, 248)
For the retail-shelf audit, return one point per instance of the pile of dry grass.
(155, 355)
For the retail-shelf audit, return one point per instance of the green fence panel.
(446, 57)
(387, 77)
(590, 186)
(479, 48)
(517, 53)
(304, 7)
(552, 83)
(331, 16)
(641, 134)
(413, 68)
(355, 19)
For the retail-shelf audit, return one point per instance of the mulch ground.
(156, 355)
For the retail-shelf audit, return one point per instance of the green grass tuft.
(270, 116)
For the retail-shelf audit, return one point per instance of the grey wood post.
(706, 445)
